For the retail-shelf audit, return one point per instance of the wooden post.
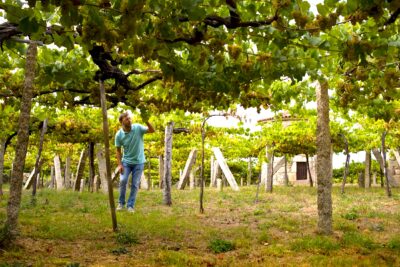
(143, 182)
(168, 164)
(219, 184)
(217, 172)
(82, 186)
(96, 183)
(225, 169)
(38, 161)
(80, 170)
(192, 179)
(67, 173)
(249, 171)
(188, 167)
(212, 164)
(29, 181)
(103, 103)
(57, 168)
(52, 177)
(102, 170)
(374, 179)
(161, 171)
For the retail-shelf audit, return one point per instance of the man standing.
(130, 138)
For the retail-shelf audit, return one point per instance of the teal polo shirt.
(132, 143)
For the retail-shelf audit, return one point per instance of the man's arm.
(119, 156)
(150, 127)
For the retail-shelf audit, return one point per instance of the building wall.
(394, 170)
(292, 171)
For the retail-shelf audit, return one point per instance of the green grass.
(66, 227)
(394, 243)
(315, 244)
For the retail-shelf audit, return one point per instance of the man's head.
(125, 119)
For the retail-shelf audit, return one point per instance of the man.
(130, 138)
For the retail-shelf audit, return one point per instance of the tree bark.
(286, 177)
(38, 156)
(2, 154)
(103, 103)
(167, 200)
(324, 161)
(385, 167)
(92, 172)
(378, 155)
(309, 171)
(360, 180)
(10, 227)
(346, 166)
(367, 170)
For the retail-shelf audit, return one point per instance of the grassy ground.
(74, 229)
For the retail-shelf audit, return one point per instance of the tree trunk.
(379, 158)
(2, 153)
(10, 228)
(286, 177)
(367, 170)
(92, 172)
(103, 103)
(309, 171)
(346, 166)
(38, 161)
(270, 177)
(167, 200)
(361, 180)
(324, 161)
(385, 167)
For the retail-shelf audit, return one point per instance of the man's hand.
(120, 168)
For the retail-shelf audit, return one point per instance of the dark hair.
(123, 115)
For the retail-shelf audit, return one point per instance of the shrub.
(219, 245)
(394, 243)
(127, 238)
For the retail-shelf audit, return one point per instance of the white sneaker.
(132, 210)
(120, 207)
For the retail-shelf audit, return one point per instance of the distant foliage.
(354, 169)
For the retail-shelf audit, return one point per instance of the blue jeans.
(136, 170)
